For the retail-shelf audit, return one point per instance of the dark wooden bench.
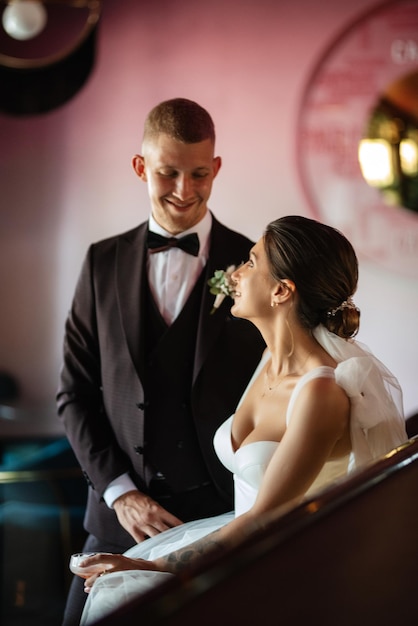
(346, 557)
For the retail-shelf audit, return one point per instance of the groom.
(149, 373)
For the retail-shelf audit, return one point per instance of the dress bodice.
(247, 464)
(250, 461)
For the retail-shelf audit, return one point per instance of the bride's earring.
(292, 341)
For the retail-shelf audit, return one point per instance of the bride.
(318, 405)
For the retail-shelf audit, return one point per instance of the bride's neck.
(290, 352)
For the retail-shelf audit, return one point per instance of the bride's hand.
(107, 563)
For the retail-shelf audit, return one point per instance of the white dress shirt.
(172, 275)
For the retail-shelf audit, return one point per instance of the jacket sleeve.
(79, 398)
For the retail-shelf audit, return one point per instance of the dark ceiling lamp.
(47, 51)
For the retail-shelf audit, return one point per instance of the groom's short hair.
(180, 119)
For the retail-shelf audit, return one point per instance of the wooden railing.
(348, 556)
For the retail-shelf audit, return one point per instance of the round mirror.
(357, 136)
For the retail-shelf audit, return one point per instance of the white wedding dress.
(377, 426)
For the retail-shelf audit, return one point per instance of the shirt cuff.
(120, 485)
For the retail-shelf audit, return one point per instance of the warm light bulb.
(408, 152)
(24, 19)
(376, 162)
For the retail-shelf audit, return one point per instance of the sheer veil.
(377, 418)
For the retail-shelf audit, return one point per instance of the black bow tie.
(158, 243)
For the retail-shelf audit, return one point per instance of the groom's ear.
(138, 163)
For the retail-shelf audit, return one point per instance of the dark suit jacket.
(101, 393)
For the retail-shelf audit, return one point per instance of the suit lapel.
(130, 273)
(210, 326)
(130, 266)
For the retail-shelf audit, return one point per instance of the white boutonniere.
(221, 285)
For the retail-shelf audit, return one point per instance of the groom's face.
(179, 178)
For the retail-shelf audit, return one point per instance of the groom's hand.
(141, 516)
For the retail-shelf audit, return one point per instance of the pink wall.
(66, 179)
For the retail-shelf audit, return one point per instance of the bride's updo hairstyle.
(323, 265)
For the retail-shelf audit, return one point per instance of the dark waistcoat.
(171, 444)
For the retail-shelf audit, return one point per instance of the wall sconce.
(388, 152)
(47, 52)
(408, 152)
(375, 157)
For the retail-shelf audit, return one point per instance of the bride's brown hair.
(322, 263)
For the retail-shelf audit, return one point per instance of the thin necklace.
(269, 387)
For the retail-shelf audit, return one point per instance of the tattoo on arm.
(177, 561)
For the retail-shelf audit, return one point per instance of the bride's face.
(254, 286)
